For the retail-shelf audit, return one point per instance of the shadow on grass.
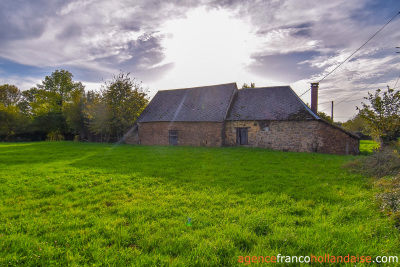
(237, 170)
(317, 177)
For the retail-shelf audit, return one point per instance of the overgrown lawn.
(66, 203)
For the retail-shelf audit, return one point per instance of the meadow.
(87, 204)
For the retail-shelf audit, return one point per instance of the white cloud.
(208, 47)
(207, 42)
(22, 82)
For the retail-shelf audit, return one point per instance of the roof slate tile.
(269, 103)
(207, 103)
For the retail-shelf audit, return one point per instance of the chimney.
(314, 97)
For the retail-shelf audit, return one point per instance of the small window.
(241, 136)
(173, 137)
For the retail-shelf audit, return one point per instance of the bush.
(389, 199)
(384, 164)
(55, 136)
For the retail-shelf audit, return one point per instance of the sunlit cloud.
(177, 44)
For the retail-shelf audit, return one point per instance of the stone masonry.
(299, 136)
(189, 133)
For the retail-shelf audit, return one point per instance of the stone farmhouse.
(221, 115)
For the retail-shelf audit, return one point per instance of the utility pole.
(332, 112)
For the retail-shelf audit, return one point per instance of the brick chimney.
(314, 97)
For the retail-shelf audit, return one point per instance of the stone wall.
(132, 136)
(299, 136)
(336, 140)
(189, 133)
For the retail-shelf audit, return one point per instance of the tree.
(245, 85)
(61, 84)
(357, 125)
(324, 116)
(73, 111)
(13, 120)
(125, 99)
(382, 115)
(57, 105)
(9, 95)
(97, 112)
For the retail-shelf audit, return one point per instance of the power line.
(354, 100)
(354, 52)
(324, 102)
(305, 92)
(380, 77)
(345, 100)
(360, 47)
(396, 82)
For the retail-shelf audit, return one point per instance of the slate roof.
(269, 103)
(207, 103)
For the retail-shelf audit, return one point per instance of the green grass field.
(66, 203)
(368, 146)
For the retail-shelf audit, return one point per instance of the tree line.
(60, 109)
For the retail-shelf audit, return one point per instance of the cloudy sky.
(178, 44)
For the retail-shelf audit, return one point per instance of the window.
(173, 137)
(241, 136)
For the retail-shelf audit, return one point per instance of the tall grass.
(367, 147)
(67, 203)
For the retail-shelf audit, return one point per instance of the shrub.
(383, 162)
(389, 199)
(55, 136)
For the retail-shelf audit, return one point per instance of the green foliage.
(50, 122)
(245, 85)
(324, 116)
(367, 147)
(384, 165)
(389, 197)
(13, 121)
(382, 115)
(55, 136)
(58, 94)
(62, 86)
(73, 111)
(98, 114)
(382, 162)
(70, 204)
(60, 105)
(357, 125)
(9, 95)
(125, 100)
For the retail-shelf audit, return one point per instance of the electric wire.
(380, 77)
(396, 82)
(354, 51)
(360, 47)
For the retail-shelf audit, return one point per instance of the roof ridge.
(198, 87)
(267, 87)
(307, 108)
